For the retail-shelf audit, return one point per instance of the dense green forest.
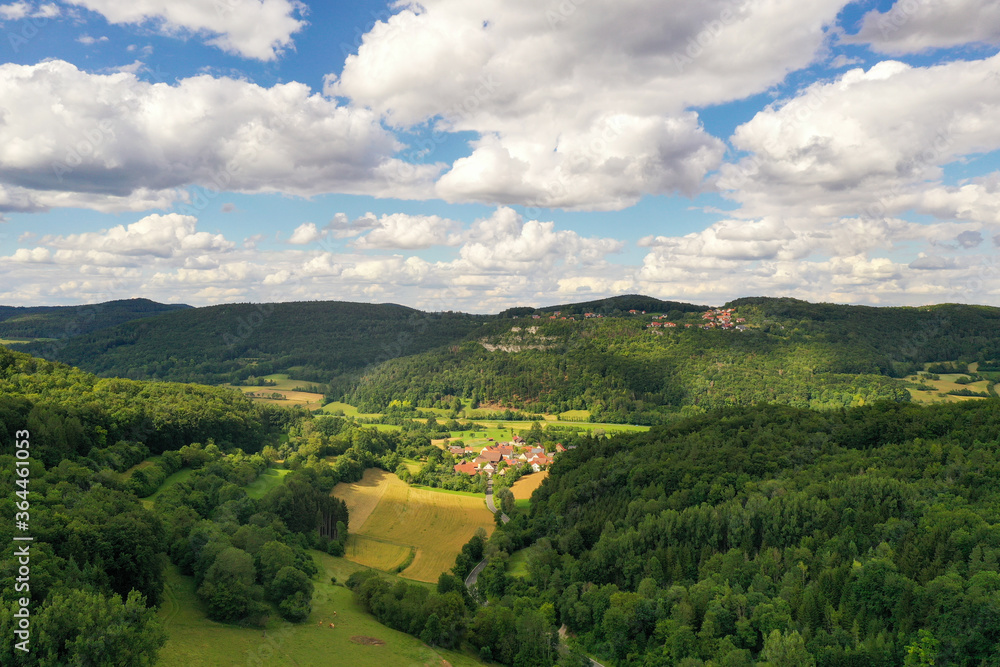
(617, 367)
(62, 322)
(622, 372)
(97, 553)
(792, 352)
(760, 536)
(615, 306)
(317, 341)
(903, 337)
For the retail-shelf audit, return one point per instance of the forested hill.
(612, 306)
(903, 335)
(315, 341)
(77, 452)
(784, 536)
(624, 359)
(635, 368)
(67, 321)
(75, 413)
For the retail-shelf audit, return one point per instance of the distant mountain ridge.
(68, 321)
(639, 367)
(642, 358)
(316, 340)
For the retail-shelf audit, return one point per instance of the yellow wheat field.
(372, 553)
(524, 487)
(394, 515)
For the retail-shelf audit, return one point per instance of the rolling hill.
(316, 341)
(633, 359)
(68, 321)
(638, 369)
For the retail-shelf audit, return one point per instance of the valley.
(680, 493)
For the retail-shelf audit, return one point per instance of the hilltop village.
(713, 318)
(717, 318)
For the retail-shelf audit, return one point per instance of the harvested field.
(524, 487)
(376, 554)
(395, 515)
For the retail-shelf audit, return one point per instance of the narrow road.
(564, 645)
(489, 501)
(470, 581)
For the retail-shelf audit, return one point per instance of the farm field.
(357, 638)
(387, 509)
(524, 487)
(285, 386)
(376, 554)
(482, 437)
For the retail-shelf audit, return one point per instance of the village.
(717, 318)
(713, 318)
(498, 457)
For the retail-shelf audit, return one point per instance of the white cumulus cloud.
(565, 116)
(258, 29)
(73, 138)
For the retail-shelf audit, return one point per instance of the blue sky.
(475, 156)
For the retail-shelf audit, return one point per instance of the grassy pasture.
(945, 384)
(348, 410)
(413, 465)
(436, 524)
(195, 641)
(291, 398)
(176, 478)
(285, 386)
(127, 474)
(269, 479)
(572, 418)
(517, 566)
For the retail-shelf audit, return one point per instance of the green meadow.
(269, 479)
(356, 639)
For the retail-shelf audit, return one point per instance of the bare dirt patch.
(367, 641)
